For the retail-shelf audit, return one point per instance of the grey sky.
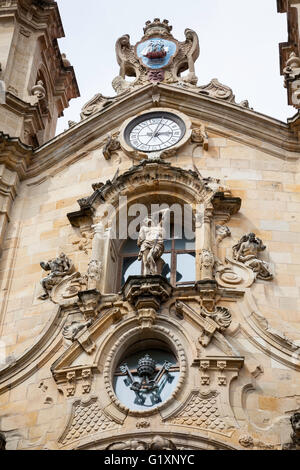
(238, 45)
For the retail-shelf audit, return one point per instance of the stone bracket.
(75, 380)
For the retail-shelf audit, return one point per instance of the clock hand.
(154, 133)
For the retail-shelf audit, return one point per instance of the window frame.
(173, 251)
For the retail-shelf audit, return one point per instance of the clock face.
(147, 379)
(155, 131)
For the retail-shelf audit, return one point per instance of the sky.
(238, 45)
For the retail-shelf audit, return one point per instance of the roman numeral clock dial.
(155, 131)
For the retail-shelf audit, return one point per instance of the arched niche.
(151, 182)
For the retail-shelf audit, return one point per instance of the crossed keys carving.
(151, 381)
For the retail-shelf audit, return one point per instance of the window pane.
(131, 267)
(186, 270)
(168, 245)
(166, 270)
(130, 246)
(184, 244)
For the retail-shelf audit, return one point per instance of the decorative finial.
(156, 23)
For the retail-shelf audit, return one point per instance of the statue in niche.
(151, 242)
(59, 268)
(247, 251)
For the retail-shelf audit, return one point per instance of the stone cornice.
(35, 13)
(240, 124)
(14, 155)
(26, 110)
(38, 15)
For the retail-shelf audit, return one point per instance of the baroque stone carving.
(201, 411)
(149, 380)
(147, 293)
(250, 443)
(215, 89)
(59, 268)
(133, 62)
(156, 443)
(295, 436)
(222, 232)
(207, 261)
(39, 90)
(111, 146)
(151, 243)
(71, 331)
(66, 291)
(119, 346)
(247, 250)
(94, 270)
(74, 380)
(142, 424)
(209, 322)
(200, 137)
(96, 104)
(87, 418)
(88, 303)
(292, 69)
(233, 273)
(84, 243)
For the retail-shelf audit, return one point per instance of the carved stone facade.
(153, 341)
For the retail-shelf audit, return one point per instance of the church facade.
(150, 254)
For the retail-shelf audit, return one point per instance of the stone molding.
(242, 125)
(193, 188)
(120, 344)
(195, 441)
(264, 337)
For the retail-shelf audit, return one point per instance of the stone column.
(206, 256)
(96, 264)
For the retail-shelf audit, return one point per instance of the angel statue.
(151, 242)
(59, 268)
(247, 251)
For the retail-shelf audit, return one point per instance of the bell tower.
(37, 80)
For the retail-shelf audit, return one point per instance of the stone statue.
(247, 250)
(59, 268)
(70, 331)
(295, 436)
(156, 443)
(39, 90)
(151, 243)
(295, 422)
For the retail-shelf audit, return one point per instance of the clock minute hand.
(156, 130)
